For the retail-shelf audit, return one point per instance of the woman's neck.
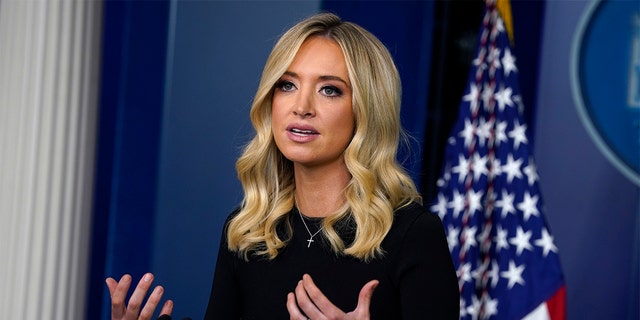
(320, 192)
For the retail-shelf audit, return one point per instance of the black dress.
(416, 274)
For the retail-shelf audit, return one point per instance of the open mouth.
(302, 131)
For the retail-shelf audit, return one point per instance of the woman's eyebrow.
(324, 77)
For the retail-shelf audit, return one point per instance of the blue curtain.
(131, 100)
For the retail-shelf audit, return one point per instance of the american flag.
(489, 199)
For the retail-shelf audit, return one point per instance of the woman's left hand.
(310, 301)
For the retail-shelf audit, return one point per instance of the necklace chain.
(311, 235)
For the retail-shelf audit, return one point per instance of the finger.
(167, 308)
(118, 291)
(364, 298)
(135, 302)
(319, 299)
(305, 304)
(152, 303)
(292, 307)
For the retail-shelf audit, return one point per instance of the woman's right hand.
(120, 310)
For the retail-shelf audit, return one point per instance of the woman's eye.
(285, 86)
(331, 91)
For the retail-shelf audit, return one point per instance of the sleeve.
(428, 282)
(224, 301)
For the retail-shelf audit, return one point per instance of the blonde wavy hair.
(378, 183)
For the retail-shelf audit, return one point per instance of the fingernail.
(147, 277)
(125, 278)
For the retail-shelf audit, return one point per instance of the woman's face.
(312, 117)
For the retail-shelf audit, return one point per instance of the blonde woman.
(330, 227)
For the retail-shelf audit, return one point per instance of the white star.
(531, 171)
(494, 274)
(469, 238)
(501, 239)
(512, 168)
(487, 96)
(494, 57)
(528, 206)
(501, 135)
(467, 133)
(452, 237)
(496, 168)
(463, 308)
(462, 169)
(546, 243)
(464, 273)
(506, 203)
(472, 97)
(474, 309)
(521, 240)
(484, 131)
(490, 307)
(509, 62)
(479, 166)
(518, 134)
(514, 274)
(500, 25)
(441, 206)
(457, 203)
(503, 97)
(474, 200)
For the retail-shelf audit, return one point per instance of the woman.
(330, 225)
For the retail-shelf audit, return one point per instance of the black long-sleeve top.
(417, 277)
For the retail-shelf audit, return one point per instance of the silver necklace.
(311, 235)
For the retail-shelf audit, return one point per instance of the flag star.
(501, 135)
(463, 308)
(531, 171)
(465, 273)
(512, 168)
(467, 133)
(501, 239)
(546, 243)
(441, 206)
(518, 134)
(474, 200)
(503, 97)
(500, 25)
(506, 203)
(452, 237)
(529, 206)
(509, 62)
(457, 203)
(496, 168)
(484, 131)
(487, 96)
(494, 274)
(521, 240)
(514, 274)
(478, 273)
(490, 308)
(462, 169)
(472, 97)
(479, 166)
(494, 57)
(474, 309)
(469, 238)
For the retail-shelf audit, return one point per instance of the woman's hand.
(131, 311)
(310, 301)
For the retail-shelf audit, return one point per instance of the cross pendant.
(310, 240)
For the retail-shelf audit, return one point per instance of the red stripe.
(556, 305)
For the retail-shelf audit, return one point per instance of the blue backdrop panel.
(405, 27)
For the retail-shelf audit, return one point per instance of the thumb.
(364, 298)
